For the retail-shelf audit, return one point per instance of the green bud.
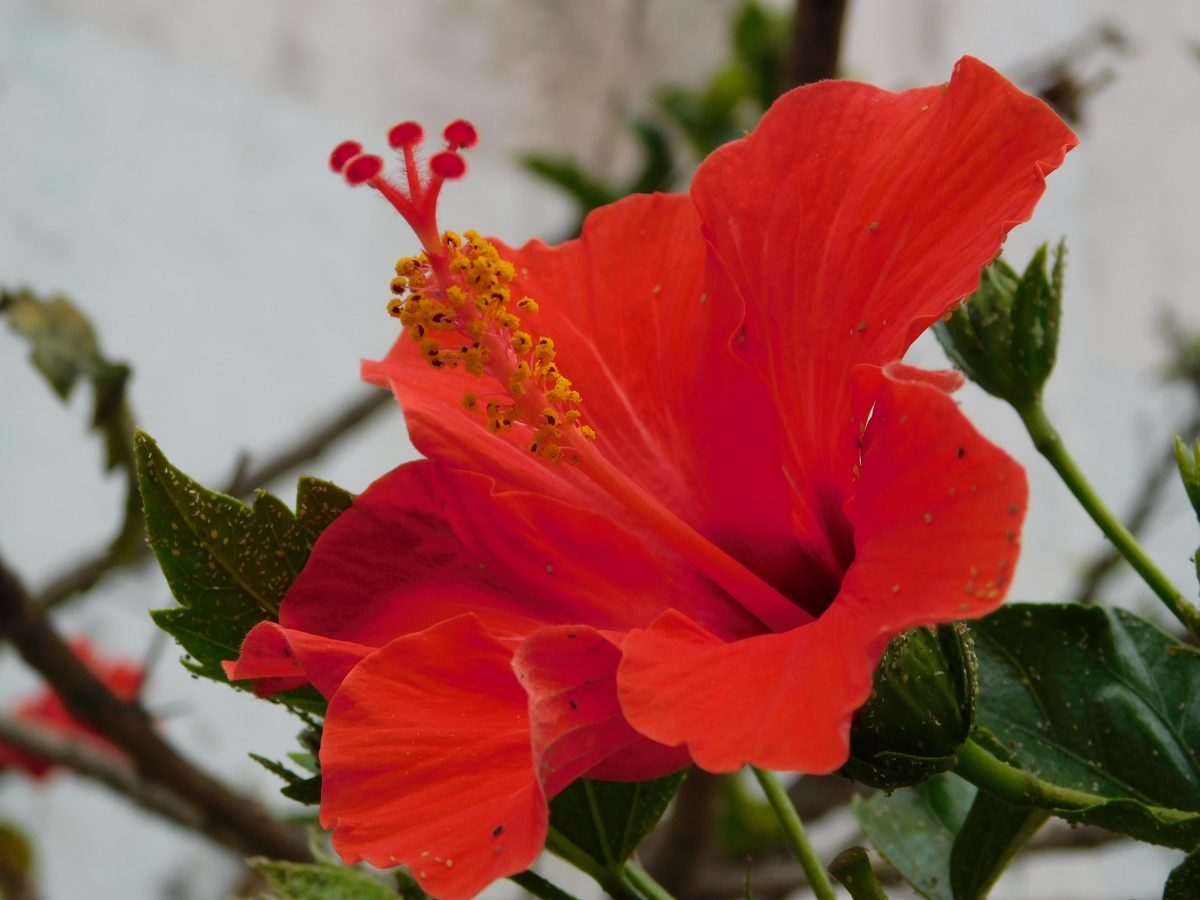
(1189, 470)
(921, 710)
(1004, 337)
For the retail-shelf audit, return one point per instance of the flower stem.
(794, 829)
(1050, 445)
(853, 869)
(539, 886)
(646, 885)
(1014, 787)
(614, 883)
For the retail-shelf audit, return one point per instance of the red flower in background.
(678, 493)
(46, 710)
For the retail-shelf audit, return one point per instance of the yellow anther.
(493, 424)
(588, 432)
(409, 265)
(544, 352)
(572, 416)
(399, 284)
(549, 371)
(553, 453)
(515, 387)
(456, 295)
(395, 308)
(508, 320)
(459, 264)
(430, 349)
(550, 415)
(521, 342)
(562, 393)
(475, 358)
(452, 240)
(527, 304)
(476, 328)
(493, 409)
(470, 403)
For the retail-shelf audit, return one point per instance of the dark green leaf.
(608, 819)
(1100, 701)
(1184, 880)
(990, 837)
(914, 829)
(320, 881)
(1094, 699)
(227, 564)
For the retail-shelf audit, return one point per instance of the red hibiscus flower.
(678, 492)
(46, 710)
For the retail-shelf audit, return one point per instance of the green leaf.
(608, 819)
(992, 834)
(228, 564)
(1100, 701)
(320, 881)
(914, 829)
(1189, 470)
(298, 788)
(64, 348)
(1184, 881)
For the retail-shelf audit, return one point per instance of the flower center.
(454, 301)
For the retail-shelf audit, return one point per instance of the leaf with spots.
(319, 881)
(1101, 701)
(606, 820)
(228, 564)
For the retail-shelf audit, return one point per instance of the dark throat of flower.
(454, 301)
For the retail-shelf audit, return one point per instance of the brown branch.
(83, 759)
(126, 552)
(232, 820)
(816, 41)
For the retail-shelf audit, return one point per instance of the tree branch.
(83, 759)
(816, 41)
(127, 551)
(232, 820)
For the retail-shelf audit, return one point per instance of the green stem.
(794, 829)
(1050, 445)
(539, 886)
(646, 885)
(614, 883)
(853, 869)
(1014, 787)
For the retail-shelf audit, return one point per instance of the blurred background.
(164, 166)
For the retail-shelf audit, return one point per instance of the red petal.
(570, 675)
(276, 659)
(426, 761)
(937, 520)
(674, 406)
(850, 219)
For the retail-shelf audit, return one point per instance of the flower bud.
(921, 710)
(1004, 337)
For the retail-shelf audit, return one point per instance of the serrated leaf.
(228, 564)
(320, 881)
(914, 829)
(1100, 701)
(1184, 881)
(608, 819)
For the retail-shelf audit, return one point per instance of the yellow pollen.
(467, 295)
(521, 342)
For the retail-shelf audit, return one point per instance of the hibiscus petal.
(937, 521)
(276, 659)
(848, 220)
(391, 565)
(426, 761)
(570, 674)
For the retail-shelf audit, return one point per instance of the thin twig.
(226, 817)
(84, 759)
(246, 479)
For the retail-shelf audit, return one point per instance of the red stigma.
(448, 165)
(362, 168)
(343, 153)
(460, 133)
(405, 135)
